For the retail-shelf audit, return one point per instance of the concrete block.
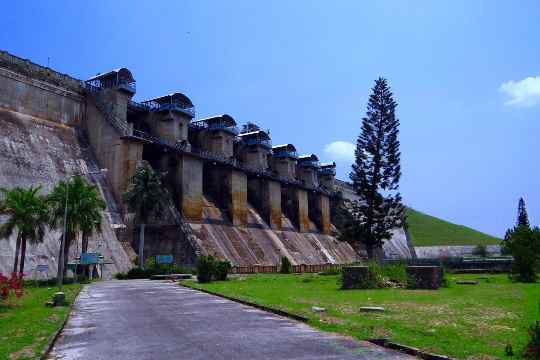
(371, 309)
(425, 277)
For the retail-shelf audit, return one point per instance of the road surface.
(143, 319)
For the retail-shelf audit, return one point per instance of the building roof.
(260, 134)
(328, 165)
(285, 147)
(122, 73)
(171, 98)
(310, 157)
(223, 118)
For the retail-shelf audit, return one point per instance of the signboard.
(164, 259)
(42, 268)
(89, 258)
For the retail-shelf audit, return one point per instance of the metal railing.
(262, 142)
(327, 171)
(171, 106)
(214, 126)
(309, 163)
(285, 154)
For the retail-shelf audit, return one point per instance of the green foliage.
(381, 276)
(376, 172)
(508, 350)
(524, 245)
(331, 271)
(153, 268)
(532, 349)
(205, 268)
(27, 328)
(221, 270)
(146, 194)
(27, 213)
(84, 210)
(480, 250)
(426, 230)
(286, 266)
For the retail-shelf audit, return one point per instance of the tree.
(376, 172)
(524, 245)
(84, 212)
(27, 217)
(522, 221)
(523, 218)
(145, 196)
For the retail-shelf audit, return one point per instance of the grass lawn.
(26, 328)
(427, 230)
(463, 321)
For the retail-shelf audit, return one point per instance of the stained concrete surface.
(142, 319)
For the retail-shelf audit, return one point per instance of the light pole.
(63, 241)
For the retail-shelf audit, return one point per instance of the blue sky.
(465, 73)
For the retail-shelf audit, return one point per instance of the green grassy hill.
(426, 230)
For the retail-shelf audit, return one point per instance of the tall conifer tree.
(376, 171)
(523, 218)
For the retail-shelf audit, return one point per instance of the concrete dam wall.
(234, 195)
(40, 145)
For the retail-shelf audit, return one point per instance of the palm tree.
(145, 196)
(84, 212)
(27, 216)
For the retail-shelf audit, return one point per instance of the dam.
(234, 194)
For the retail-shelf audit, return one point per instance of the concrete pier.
(189, 183)
(265, 196)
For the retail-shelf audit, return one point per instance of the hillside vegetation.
(426, 230)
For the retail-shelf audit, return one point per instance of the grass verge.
(463, 321)
(27, 327)
(427, 230)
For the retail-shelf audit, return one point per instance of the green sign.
(89, 258)
(164, 259)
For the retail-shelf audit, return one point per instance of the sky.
(466, 75)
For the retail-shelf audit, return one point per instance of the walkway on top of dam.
(143, 319)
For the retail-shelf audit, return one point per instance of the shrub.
(331, 271)
(480, 250)
(532, 349)
(286, 266)
(221, 269)
(205, 268)
(9, 287)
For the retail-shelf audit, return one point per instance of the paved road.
(142, 319)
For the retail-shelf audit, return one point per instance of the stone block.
(371, 309)
(425, 277)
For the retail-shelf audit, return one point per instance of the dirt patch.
(24, 353)
(53, 318)
(325, 319)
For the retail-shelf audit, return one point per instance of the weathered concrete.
(34, 151)
(189, 183)
(257, 243)
(265, 196)
(143, 319)
(285, 167)
(319, 211)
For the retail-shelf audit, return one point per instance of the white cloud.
(524, 92)
(340, 151)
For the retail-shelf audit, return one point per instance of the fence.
(302, 268)
(498, 264)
